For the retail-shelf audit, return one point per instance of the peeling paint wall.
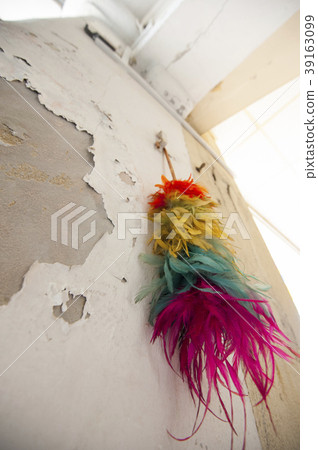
(89, 379)
(40, 173)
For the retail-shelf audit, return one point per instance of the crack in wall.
(64, 40)
(190, 45)
(23, 60)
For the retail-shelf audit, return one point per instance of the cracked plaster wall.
(39, 174)
(94, 382)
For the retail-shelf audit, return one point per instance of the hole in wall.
(74, 309)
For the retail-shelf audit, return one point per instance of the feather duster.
(203, 307)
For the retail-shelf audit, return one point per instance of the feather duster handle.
(202, 305)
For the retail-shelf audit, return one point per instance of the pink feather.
(209, 327)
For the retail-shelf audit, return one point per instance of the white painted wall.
(96, 384)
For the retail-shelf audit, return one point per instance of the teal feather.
(156, 285)
(179, 274)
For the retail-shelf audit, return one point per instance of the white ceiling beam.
(270, 66)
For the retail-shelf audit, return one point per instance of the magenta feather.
(208, 326)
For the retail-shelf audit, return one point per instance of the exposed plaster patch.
(25, 79)
(57, 310)
(125, 174)
(31, 188)
(72, 310)
(62, 179)
(126, 178)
